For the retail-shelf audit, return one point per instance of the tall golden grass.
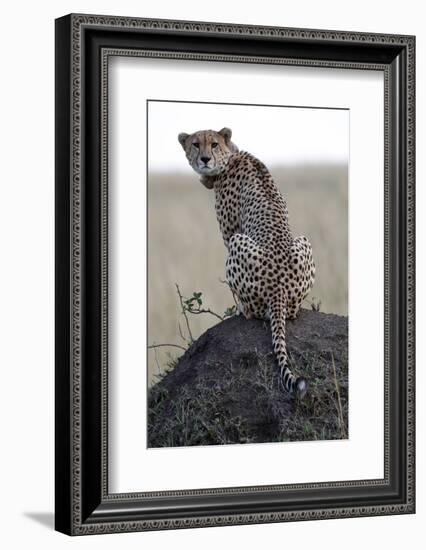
(185, 247)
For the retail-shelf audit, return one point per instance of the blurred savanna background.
(305, 149)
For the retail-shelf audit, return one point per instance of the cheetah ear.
(226, 133)
(182, 138)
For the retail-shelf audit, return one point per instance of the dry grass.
(185, 247)
(245, 405)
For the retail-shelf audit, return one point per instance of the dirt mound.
(226, 389)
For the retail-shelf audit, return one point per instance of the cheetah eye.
(214, 145)
(196, 145)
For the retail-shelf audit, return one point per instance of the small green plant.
(196, 297)
(194, 306)
(230, 311)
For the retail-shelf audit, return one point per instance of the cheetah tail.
(296, 386)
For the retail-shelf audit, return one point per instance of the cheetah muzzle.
(269, 271)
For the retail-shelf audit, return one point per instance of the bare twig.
(184, 312)
(165, 345)
(156, 361)
(232, 292)
(198, 311)
(339, 403)
(187, 307)
(181, 334)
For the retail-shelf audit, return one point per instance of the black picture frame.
(83, 504)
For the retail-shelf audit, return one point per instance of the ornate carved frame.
(84, 44)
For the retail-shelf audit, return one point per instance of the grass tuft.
(244, 403)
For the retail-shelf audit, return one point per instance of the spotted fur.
(269, 271)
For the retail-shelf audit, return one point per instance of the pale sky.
(276, 135)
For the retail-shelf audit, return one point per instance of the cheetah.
(269, 271)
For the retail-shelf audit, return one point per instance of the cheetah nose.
(205, 159)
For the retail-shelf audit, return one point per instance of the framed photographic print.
(234, 274)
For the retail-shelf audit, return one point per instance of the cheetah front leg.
(242, 273)
(239, 310)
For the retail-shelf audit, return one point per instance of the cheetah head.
(207, 151)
